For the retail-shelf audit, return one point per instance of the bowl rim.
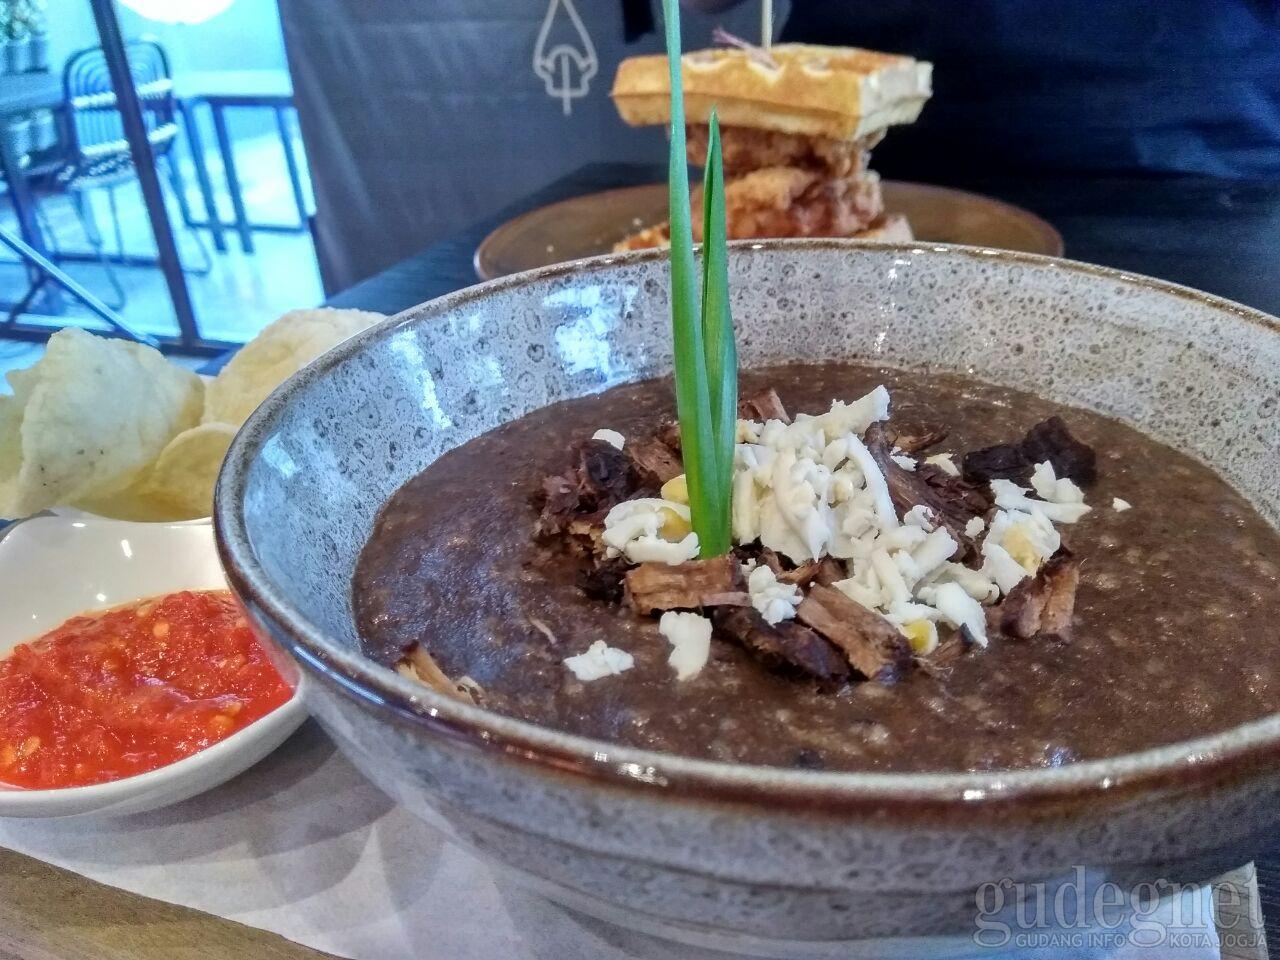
(1200, 763)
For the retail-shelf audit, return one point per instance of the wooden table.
(1221, 237)
(49, 914)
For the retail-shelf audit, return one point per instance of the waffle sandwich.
(798, 123)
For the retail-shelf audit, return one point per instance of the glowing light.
(177, 11)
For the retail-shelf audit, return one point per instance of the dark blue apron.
(1036, 86)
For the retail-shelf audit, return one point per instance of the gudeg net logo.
(1087, 911)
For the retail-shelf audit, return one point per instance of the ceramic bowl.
(52, 568)
(727, 854)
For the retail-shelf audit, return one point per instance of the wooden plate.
(589, 225)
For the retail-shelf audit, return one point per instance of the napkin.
(303, 846)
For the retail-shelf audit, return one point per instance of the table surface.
(233, 86)
(20, 92)
(1220, 237)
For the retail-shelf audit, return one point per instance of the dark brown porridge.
(1173, 633)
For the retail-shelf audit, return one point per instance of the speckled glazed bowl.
(744, 857)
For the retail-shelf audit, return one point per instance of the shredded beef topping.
(597, 478)
(1043, 605)
(948, 651)
(1052, 441)
(833, 638)
(915, 443)
(603, 580)
(953, 501)
(872, 645)
(763, 406)
(669, 433)
(826, 571)
(959, 501)
(655, 461)
(421, 666)
(1049, 440)
(1004, 461)
(763, 555)
(654, 587)
(788, 647)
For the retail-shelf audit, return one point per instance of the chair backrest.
(94, 125)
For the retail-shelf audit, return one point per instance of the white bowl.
(52, 568)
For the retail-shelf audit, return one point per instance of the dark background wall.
(420, 116)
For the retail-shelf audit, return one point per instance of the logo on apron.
(564, 57)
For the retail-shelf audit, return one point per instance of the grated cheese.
(690, 638)
(811, 489)
(611, 437)
(1013, 497)
(774, 600)
(945, 463)
(599, 661)
(959, 609)
(634, 529)
(1047, 485)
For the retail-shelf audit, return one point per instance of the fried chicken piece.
(746, 149)
(891, 228)
(790, 202)
(785, 202)
(659, 235)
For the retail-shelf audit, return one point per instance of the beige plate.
(589, 225)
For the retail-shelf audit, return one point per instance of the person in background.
(422, 118)
(1026, 88)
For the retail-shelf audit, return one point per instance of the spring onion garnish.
(706, 360)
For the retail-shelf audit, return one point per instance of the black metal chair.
(98, 153)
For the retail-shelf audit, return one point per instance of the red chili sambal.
(113, 694)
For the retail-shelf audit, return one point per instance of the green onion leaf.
(717, 332)
(706, 366)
